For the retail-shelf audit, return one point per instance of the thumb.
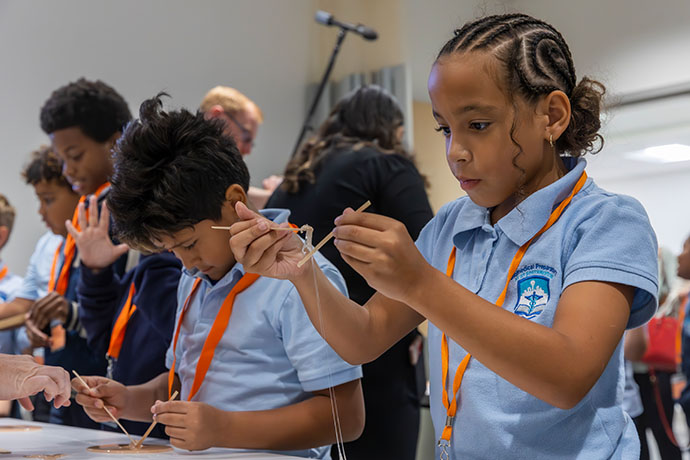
(243, 212)
(121, 249)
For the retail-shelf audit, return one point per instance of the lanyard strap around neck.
(218, 328)
(452, 406)
(59, 282)
(3, 272)
(117, 336)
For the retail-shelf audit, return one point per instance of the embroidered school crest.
(533, 290)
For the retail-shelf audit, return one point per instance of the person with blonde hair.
(241, 119)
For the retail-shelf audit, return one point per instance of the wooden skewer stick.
(217, 227)
(131, 441)
(327, 238)
(150, 428)
(12, 321)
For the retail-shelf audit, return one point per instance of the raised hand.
(96, 249)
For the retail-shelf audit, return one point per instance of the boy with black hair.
(257, 380)
(127, 312)
(83, 120)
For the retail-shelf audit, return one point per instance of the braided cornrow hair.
(537, 61)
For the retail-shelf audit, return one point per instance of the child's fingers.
(176, 407)
(176, 437)
(171, 420)
(104, 219)
(359, 234)
(244, 213)
(93, 213)
(71, 230)
(359, 252)
(365, 219)
(39, 337)
(81, 216)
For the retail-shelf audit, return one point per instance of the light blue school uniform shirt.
(600, 236)
(12, 341)
(35, 284)
(270, 355)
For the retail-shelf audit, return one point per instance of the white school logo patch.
(533, 289)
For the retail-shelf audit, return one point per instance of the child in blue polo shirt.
(252, 371)
(10, 340)
(534, 275)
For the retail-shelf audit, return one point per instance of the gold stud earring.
(551, 140)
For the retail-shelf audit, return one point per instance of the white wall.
(262, 47)
(665, 198)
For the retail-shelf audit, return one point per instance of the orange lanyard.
(452, 406)
(69, 250)
(220, 324)
(3, 272)
(118, 334)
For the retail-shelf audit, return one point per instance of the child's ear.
(235, 193)
(556, 106)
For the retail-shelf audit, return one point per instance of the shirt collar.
(527, 218)
(523, 222)
(278, 216)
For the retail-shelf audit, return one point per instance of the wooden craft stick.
(106, 410)
(327, 238)
(217, 227)
(12, 321)
(150, 428)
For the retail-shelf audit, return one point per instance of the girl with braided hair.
(529, 281)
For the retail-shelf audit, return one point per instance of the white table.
(58, 439)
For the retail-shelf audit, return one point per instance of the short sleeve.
(34, 282)
(317, 364)
(616, 243)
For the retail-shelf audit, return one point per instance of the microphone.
(327, 19)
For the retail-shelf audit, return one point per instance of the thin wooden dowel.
(150, 428)
(131, 441)
(327, 238)
(217, 227)
(12, 321)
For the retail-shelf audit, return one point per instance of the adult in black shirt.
(356, 156)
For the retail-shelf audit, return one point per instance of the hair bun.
(582, 134)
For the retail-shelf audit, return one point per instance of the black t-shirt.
(348, 178)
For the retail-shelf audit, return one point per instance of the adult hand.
(262, 250)
(96, 249)
(103, 392)
(381, 250)
(191, 425)
(272, 182)
(21, 377)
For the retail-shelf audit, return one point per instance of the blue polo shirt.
(35, 283)
(270, 355)
(12, 341)
(600, 236)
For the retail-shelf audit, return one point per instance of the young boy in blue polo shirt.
(251, 369)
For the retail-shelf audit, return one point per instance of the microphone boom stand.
(306, 126)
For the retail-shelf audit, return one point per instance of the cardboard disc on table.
(127, 449)
(19, 428)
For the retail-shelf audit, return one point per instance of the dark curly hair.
(171, 171)
(536, 62)
(93, 106)
(45, 165)
(366, 117)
